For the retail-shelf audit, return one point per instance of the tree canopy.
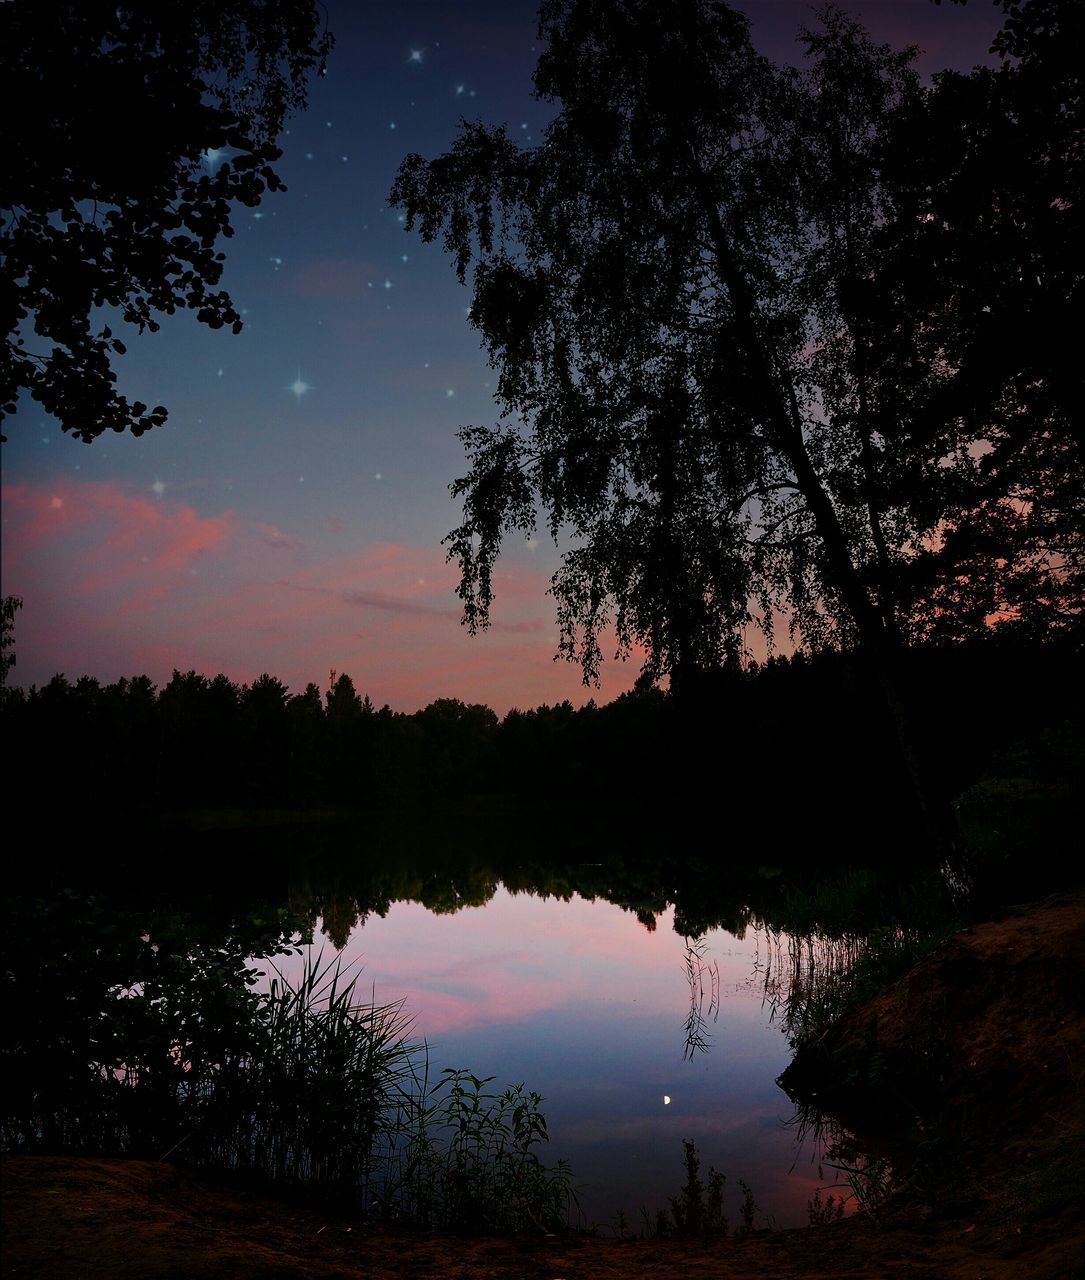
(131, 130)
(741, 316)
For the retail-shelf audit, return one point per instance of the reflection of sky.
(581, 1003)
(288, 517)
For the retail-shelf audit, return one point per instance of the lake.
(582, 1002)
(642, 985)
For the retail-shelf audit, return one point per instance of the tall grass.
(318, 1095)
(467, 1159)
(309, 1087)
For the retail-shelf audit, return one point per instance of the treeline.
(787, 746)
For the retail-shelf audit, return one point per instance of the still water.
(636, 1040)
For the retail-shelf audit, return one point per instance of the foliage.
(821, 1213)
(870, 1180)
(131, 130)
(823, 977)
(201, 742)
(470, 1162)
(8, 608)
(988, 174)
(118, 1016)
(1029, 798)
(140, 1034)
(698, 1209)
(742, 320)
(315, 1099)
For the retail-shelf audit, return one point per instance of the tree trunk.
(784, 430)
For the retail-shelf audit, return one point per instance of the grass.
(468, 1161)
(697, 1209)
(305, 1086)
(318, 1094)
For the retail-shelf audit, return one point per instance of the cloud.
(275, 538)
(116, 583)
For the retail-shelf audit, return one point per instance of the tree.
(989, 177)
(9, 606)
(130, 131)
(707, 377)
(662, 290)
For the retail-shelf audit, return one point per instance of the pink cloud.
(138, 539)
(116, 583)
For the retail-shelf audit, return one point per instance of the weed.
(698, 1209)
(467, 1161)
(821, 1213)
(869, 1181)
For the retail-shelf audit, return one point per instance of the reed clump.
(307, 1086)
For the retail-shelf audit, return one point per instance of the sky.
(288, 518)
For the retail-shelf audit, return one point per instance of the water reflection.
(649, 993)
(593, 1010)
(703, 977)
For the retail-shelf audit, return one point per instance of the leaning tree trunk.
(782, 420)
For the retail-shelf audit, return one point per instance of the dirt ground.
(997, 1014)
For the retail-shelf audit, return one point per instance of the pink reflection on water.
(521, 955)
(582, 1002)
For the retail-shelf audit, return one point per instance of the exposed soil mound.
(984, 1042)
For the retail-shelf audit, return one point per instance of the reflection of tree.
(806, 977)
(701, 977)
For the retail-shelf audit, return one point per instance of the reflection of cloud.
(120, 582)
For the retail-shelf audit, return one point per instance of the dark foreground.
(1000, 1201)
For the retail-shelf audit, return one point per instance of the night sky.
(288, 517)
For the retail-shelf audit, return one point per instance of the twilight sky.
(288, 517)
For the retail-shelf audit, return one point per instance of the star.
(299, 386)
(158, 488)
(416, 56)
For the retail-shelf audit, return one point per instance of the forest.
(798, 737)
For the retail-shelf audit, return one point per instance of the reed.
(317, 1095)
(308, 1086)
(468, 1161)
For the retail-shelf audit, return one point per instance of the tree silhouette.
(719, 381)
(130, 131)
(9, 606)
(984, 248)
